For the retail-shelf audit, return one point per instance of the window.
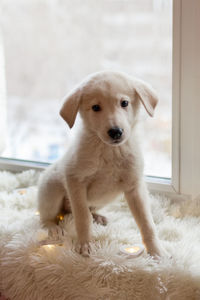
(55, 44)
(65, 40)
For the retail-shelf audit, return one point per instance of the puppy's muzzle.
(115, 133)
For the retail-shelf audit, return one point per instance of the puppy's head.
(108, 103)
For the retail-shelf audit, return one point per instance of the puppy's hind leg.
(50, 199)
(99, 219)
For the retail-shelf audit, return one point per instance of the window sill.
(155, 184)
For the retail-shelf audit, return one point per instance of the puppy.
(104, 160)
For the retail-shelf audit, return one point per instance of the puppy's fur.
(98, 168)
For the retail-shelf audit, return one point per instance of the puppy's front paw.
(157, 251)
(84, 249)
(54, 231)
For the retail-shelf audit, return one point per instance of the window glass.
(51, 45)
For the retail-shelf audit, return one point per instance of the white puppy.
(105, 159)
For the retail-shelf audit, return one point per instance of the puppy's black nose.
(115, 133)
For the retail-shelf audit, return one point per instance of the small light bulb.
(132, 251)
(37, 213)
(48, 246)
(60, 217)
(22, 192)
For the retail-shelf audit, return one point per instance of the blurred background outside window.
(51, 45)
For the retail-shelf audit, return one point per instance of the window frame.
(185, 138)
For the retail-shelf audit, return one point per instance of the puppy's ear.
(70, 106)
(146, 95)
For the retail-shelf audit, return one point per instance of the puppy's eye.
(124, 103)
(96, 107)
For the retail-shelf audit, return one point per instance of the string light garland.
(130, 251)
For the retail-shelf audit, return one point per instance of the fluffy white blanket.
(33, 272)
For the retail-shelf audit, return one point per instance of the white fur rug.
(33, 272)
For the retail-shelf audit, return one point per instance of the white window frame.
(185, 181)
(186, 98)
